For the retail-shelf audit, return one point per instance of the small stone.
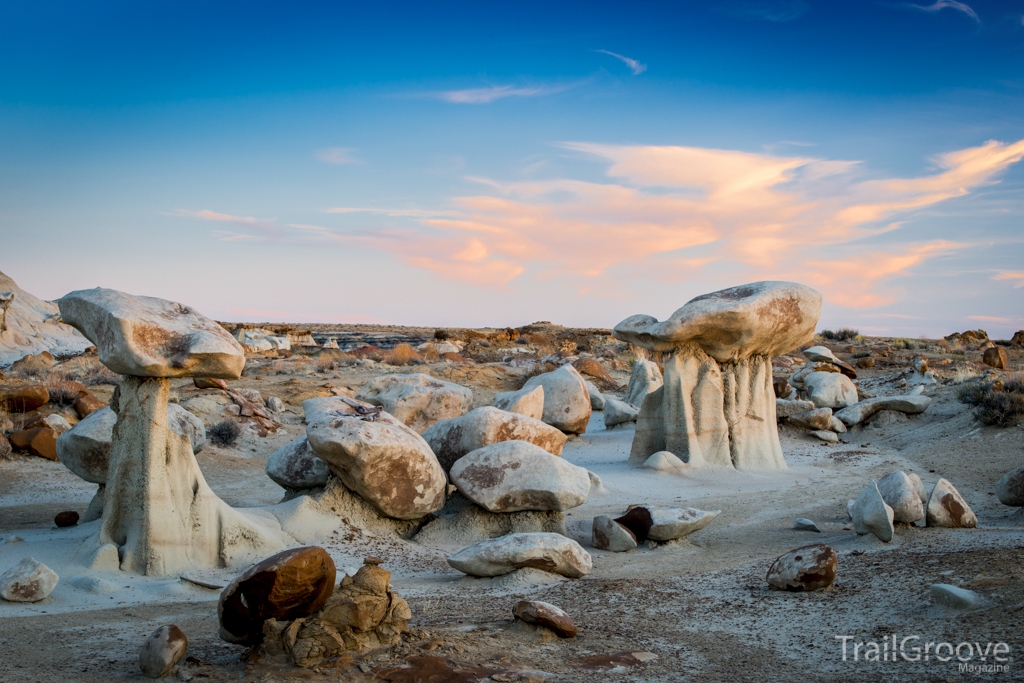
(948, 509)
(162, 651)
(915, 481)
(275, 405)
(871, 515)
(66, 518)
(1010, 488)
(808, 568)
(547, 615)
(664, 524)
(607, 534)
(956, 597)
(818, 419)
(528, 402)
(209, 383)
(57, 423)
(41, 441)
(826, 436)
(804, 524)
(295, 466)
(566, 400)
(28, 581)
(87, 404)
(837, 426)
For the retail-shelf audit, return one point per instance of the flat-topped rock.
(861, 411)
(417, 400)
(85, 448)
(545, 551)
(387, 463)
(295, 466)
(761, 318)
(144, 336)
(452, 439)
(511, 476)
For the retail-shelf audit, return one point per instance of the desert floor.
(702, 605)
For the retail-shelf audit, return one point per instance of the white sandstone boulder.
(511, 476)
(899, 493)
(149, 337)
(861, 411)
(596, 397)
(28, 581)
(607, 534)
(618, 412)
(452, 439)
(871, 515)
(644, 378)
(528, 402)
(666, 462)
(295, 466)
(566, 399)
(418, 400)
(671, 523)
(830, 390)
(790, 407)
(545, 551)
(947, 508)
(387, 463)
(1010, 488)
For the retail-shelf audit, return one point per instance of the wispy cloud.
(255, 229)
(669, 214)
(778, 11)
(1014, 276)
(636, 67)
(951, 4)
(990, 318)
(339, 156)
(496, 92)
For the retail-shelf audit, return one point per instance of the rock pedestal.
(717, 405)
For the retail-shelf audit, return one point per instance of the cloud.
(1015, 276)
(636, 67)
(776, 11)
(495, 92)
(339, 156)
(951, 4)
(990, 319)
(669, 214)
(254, 229)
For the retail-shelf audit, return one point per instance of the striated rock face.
(512, 476)
(295, 466)
(362, 614)
(387, 463)
(22, 399)
(717, 405)
(452, 439)
(566, 399)
(545, 551)
(804, 569)
(288, 585)
(418, 400)
(144, 336)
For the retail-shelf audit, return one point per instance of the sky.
(495, 164)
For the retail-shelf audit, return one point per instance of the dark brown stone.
(23, 399)
(546, 615)
(782, 387)
(66, 518)
(639, 522)
(995, 356)
(88, 404)
(1018, 338)
(209, 383)
(41, 441)
(291, 584)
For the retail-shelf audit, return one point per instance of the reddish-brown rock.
(782, 387)
(995, 356)
(209, 383)
(805, 569)
(865, 362)
(41, 441)
(23, 399)
(547, 615)
(291, 584)
(87, 404)
(5, 447)
(66, 518)
(593, 368)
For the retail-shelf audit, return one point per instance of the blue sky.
(472, 164)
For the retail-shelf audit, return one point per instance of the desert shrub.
(326, 363)
(429, 354)
(91, 371)
(974, 394)
(842, 334)
(961, 375)
(224, 433)
(403, 354)
(903, 343)
(1000, 404)
(441, 335)
(537, 338)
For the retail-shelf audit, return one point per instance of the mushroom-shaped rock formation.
(158, 509)
(717, 404)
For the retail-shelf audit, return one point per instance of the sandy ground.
(701, 606)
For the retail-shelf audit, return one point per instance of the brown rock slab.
(209, 383)
(88, 404)
(291, 584)
(806, 568)
(41, 441)
(162, 651)
(995, 356)
(547, 615)
(22, 399)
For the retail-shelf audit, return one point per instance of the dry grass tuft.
(403, 354)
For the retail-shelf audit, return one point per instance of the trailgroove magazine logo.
(970, 657)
